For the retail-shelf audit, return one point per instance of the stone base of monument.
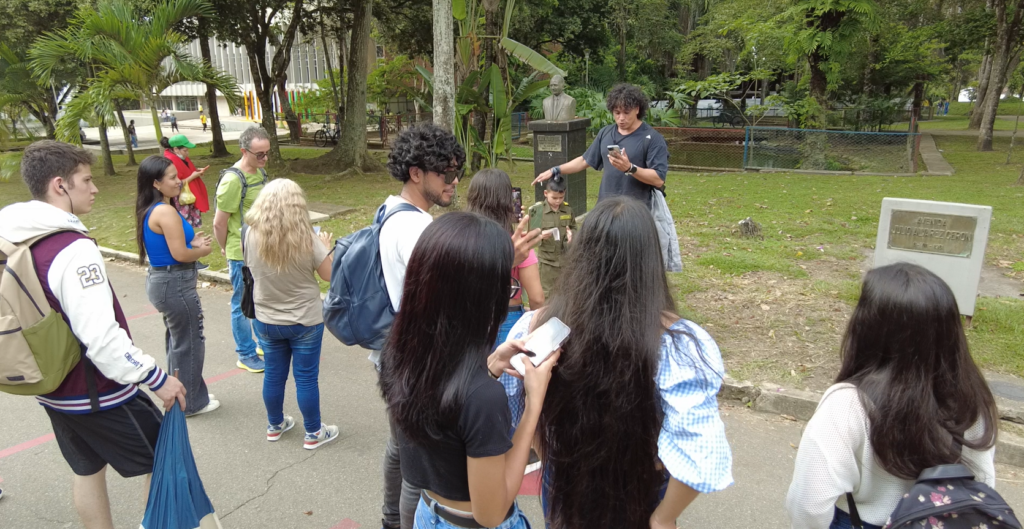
(948, 239)
(557, 142)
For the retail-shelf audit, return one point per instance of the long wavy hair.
(454, 300)
(490, 194)
(905, 350)
(280, 220)
(151, 170)
(602, 415)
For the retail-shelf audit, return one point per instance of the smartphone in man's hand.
(517, 199)
(543, 341)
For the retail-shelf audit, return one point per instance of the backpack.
(947, 497)
(37, 347)
(357, 308)
(245, 185)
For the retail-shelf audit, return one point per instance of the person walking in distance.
(99, 416)
(173, 248)
(202, 119)
(283, 251)
(174, 123)
(131, 134)
(238, 188)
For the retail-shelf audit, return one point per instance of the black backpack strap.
(245, 229)
(854, 515)
(90, 383)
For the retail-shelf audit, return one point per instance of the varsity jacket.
(74, 279)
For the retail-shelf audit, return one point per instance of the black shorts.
(123, 437)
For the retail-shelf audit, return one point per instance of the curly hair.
(279, 218)
(627, 97)
(426, 146)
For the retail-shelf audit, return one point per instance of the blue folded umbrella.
(177, 499)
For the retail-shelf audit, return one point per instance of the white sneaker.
(274, 431)
(212, 405)
(324, 436)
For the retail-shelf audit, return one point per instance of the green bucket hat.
(181, 141)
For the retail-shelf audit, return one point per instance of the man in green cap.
(238, 188)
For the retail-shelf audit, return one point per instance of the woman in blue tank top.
(173, 247)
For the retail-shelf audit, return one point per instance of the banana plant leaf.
(535, 60)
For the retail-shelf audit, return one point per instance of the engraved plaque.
(936, 233)
(549, 142)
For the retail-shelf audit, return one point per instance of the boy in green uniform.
(555, 214)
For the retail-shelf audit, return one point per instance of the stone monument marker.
(559, 138)
(947, 238)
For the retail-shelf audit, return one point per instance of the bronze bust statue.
(559, 106)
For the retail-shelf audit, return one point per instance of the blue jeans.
(514, 313)
(841, 520)
(241, 327)
(135, 141)
(297, 345)
(427, 519)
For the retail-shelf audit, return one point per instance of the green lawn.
(952, 122)
(777, 306)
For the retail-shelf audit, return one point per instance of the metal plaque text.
(549, 143)
(937, 233)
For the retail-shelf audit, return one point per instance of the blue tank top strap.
(156, 244)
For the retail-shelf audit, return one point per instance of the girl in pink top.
(490, 194)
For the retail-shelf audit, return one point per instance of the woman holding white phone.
(437, 375)
(651, 379)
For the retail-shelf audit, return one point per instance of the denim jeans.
(399, 496)
(241, 327)
(514, 313)
(135, 141)
(841, 520)
(174, 294)
(426, 518)
(299, 346)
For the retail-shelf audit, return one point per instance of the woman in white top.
(907, 392)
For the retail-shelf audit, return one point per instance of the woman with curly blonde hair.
(282, 251)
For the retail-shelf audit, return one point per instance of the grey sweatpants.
(400, 498)
(174, 294)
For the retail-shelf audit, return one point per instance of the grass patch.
(816, 230)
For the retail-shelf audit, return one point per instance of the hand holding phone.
(614, 149)
(517, 199)
(543, 341)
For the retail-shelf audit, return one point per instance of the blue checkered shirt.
(692, 443)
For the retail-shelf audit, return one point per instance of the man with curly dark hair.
(623, 174)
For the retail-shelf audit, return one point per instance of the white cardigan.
(835, 457)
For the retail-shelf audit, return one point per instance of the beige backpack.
(37, 348)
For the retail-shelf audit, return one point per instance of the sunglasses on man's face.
(449, 175)
(260, 155)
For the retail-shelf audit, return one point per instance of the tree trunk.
(491, 29)
(291, 118)
(127, 137)
(1007, 34)
(108, 160)
(330, 71)
(351, 152)
(977, 112)
(219, 148)
(444, 65)
(343, 56)
(819, 82)
(156, 122)
(264, 85)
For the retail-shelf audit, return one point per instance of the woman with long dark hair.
(438, 378)
(490, 194)
(630, 432)
(908, 397)
(173, 247)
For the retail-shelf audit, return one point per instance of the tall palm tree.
(132, 57)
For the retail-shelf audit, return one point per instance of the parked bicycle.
(326, 135)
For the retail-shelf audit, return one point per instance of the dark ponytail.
(165, 143)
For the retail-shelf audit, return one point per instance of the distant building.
(308, 65)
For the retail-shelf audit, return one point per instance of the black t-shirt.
(645, 148)
(482, 431)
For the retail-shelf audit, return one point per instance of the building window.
(186, 104)
(164, 103)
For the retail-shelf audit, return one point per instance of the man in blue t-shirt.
(641, 161)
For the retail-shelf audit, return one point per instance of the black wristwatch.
(632, 169)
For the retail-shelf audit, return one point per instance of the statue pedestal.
(555, 143)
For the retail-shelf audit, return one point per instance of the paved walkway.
(256, 484)
(933, 160)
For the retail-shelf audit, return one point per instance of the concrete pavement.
(256, 484)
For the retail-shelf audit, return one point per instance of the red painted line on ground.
(143, 315)
(222, 376)
(346, 524)
(531, 484)
(26, 445)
